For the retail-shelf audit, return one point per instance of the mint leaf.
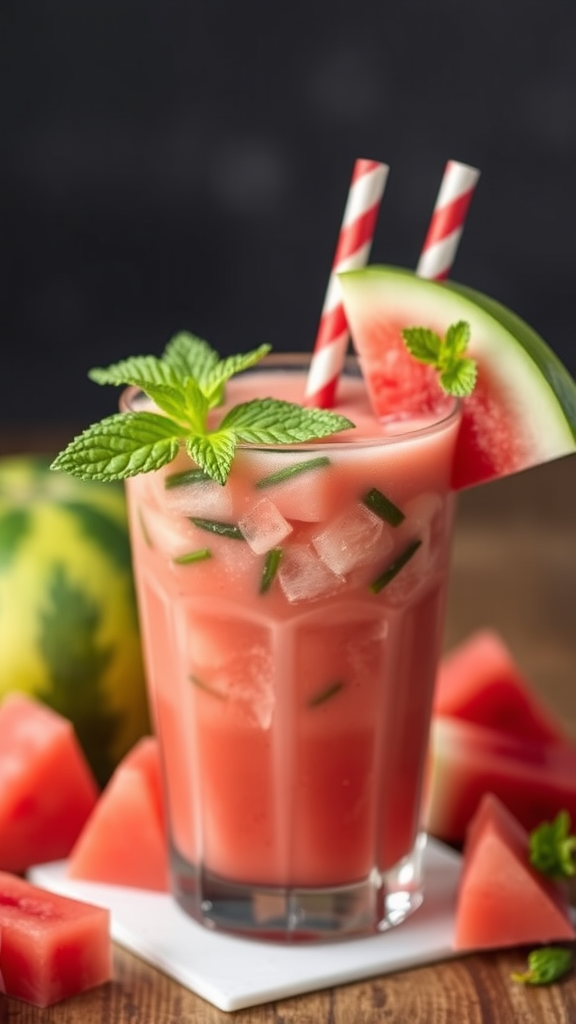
(545, 966)
(273, 421)
(120, 446)
(457, 373)
(189, 356)
(213, 383)
(459, 379)
(213, 452)
(196, 405)
(137, 370)
(458, 337)
(185, 384)
(167, 398)
(423, 344)
(552, 849)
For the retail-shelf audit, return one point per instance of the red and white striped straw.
(446, 225)
(352, 252)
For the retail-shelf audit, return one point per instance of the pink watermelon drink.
(292, 622)
(291, 574)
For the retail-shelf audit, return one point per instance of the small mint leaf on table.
(457, 373)
(552, 849)
(545, 966)
(120, 446)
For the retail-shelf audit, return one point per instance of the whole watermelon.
(68, 620)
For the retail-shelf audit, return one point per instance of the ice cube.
(263, 527)
(197, 496)
(301, 485)
(304, 576)
(352, 539)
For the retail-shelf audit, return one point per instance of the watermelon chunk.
(523, 409)
(480, 682)
(124, 841)
(47, 789)
(502, 900)
(534, 780)
(51, 947)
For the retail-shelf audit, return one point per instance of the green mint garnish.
(383, 507)
(186, 383)
(215, 526)
(294, 470)
(545, 966)
(188, 476)
(394, 568)
(206, 689)
(271, 564)
(552, 849)
(457, 373)
(324, 695)
(200, 555)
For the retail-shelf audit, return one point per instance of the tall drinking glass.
(292, 622)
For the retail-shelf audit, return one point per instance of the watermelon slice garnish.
(522, 411)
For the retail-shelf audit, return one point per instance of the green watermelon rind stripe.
(550, 366)
(102, 529)
(15, 526)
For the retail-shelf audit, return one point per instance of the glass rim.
(298, 361)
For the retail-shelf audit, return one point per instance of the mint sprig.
(185, 384)
(552, 849)
(545, 966)
(456, 372)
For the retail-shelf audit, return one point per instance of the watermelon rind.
(69, 632)
(550, 366)
(523, 411)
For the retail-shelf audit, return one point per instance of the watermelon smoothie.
(292, 623)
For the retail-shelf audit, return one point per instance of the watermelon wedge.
(47, 790)
(534, 780)
(480, 682)
(124, 840)
(502, 900)
(522, 411)
(52, 947)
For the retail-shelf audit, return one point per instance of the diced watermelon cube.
(480, 682)
(502, 900)
(47, 789)
(51, 947)
(534, 780)
(124, 841)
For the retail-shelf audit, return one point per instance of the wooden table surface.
(514, 567)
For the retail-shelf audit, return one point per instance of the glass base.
(301, 914)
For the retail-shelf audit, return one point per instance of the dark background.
(184, 165)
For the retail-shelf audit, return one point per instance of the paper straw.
(352, 252)
(441, 242)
